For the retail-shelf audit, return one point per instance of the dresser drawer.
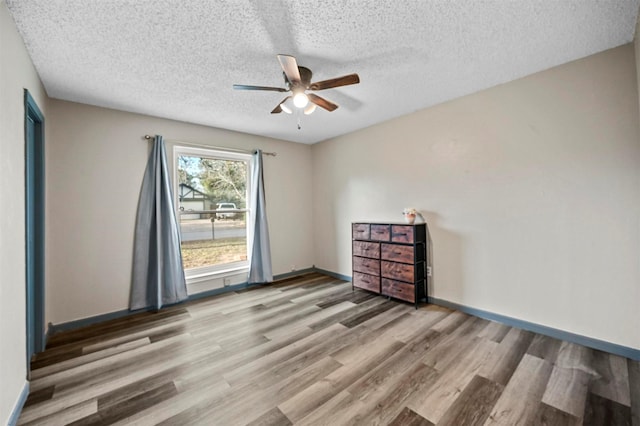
(397, 253)
(399, 290)
(367, 282)
(402, 234)
(365, 249)
(360, 231)
(401, 271)
(365, 265)
(380, 232)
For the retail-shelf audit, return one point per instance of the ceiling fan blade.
(278, 109)
(322, 102)
(290, 67)
(345, 80)
(245, 87)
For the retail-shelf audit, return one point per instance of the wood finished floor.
(308, 350)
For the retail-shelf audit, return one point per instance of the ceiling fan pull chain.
(298, 114)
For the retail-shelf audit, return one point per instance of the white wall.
(94, 172)
(16, 74)
(531, 190)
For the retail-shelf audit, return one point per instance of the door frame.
(34, 226)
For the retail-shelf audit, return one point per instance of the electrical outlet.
(226, 281)
(293, 268)
(428, 271)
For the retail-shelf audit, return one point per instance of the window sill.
(212, 275)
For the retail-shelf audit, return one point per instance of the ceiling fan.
(297, 80)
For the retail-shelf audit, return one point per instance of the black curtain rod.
(272, 154)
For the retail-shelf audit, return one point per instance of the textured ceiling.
(179, 59)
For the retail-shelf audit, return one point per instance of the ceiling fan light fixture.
(309, 109)
(285, 108)
(300, 100)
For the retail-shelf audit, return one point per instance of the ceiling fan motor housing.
(305, 79)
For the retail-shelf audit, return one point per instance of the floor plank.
(389, 405)
(109, 414)
(519, 401)
(551, 416)
(603, 411)
(319, 393)
(452, 381)
(38, 396)
(494, 331)
(410, 418)
(634, 390)
(506, 356)
(570, 378)
(474, 404)
(612, 380)
(273, 417)
(545, 347)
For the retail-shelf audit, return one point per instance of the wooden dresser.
(391, 259)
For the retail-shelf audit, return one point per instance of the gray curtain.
(260, 263)
(158, 276)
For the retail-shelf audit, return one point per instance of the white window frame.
(213, 271)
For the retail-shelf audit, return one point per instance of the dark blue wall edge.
(542, 329)
(15, 413)
(71, 325)
(32, 110)
(332, 274)
(31, 103)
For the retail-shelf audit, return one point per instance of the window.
(213, 208)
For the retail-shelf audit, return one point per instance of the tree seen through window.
(213, 189)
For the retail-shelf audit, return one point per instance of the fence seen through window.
(213, 210)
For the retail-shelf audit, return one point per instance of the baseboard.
(332, 274)
(513, 322)
(216, 291)
(83, 322)
(590, 342)
(293, 274)
(15, 413)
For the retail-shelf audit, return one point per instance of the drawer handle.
(380, 232)
(397, 252)
(366, 249)
(402, 233)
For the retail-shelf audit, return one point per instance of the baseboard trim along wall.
(542, 329)
(332, 274)
(513, 322)
(22, 398)
(83, 322)
(525, 325)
